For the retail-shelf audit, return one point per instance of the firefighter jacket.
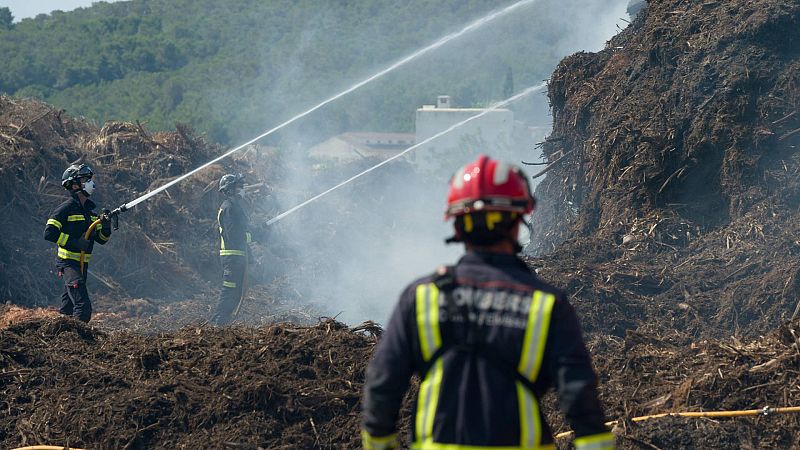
(67, 224)
(487, 340)
(233, 228)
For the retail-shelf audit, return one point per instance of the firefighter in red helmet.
(486, 337)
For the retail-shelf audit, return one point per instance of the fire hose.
(765, 411)
(47, 447)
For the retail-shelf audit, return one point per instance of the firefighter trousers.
(75, 299)
(233, 269)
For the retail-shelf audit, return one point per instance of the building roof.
(363, 144)
(374, 140)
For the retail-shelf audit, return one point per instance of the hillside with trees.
(231, 69)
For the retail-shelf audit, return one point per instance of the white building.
(490, 133)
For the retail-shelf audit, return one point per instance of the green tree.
(6, 18)
(233, 69)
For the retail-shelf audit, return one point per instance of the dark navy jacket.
(67, 224)
(233, 228)
(487, 345)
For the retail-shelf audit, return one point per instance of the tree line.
(233, 68)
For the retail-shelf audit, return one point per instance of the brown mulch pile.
(290, 386)
(279, 386)
(672, 198)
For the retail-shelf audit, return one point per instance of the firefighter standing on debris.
(487, 338)
(234, 249)
(67, 227)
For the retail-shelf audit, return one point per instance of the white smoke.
(353, 251)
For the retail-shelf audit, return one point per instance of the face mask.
(89, 187)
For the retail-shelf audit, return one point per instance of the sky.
(23, 9)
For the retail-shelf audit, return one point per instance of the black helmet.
(74, 173)
(228, 183)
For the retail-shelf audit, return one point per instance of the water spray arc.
(494, 107)
(439, 43)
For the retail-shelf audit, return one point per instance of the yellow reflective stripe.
(427, 402)
(62, 239)
(103, 237)
(438, 446)
(94, 218)
(248, 236)
(54, 223)
(536, 334)
(430, 339)
(231, 253)
(229, 284)
(370, 442)
(601, 441)
(530, 428)
(66, 254)
(221, 239)
(468, 226)
(75, 218)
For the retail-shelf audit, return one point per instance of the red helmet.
(489, 185)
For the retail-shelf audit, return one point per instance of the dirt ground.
(669, 214)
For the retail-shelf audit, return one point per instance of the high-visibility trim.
(428, 401)
(221, 239)
(75, 218)
(430, 338)
(248, 237)
(103, 237)
(229, 284)
(62, 239)
(529, 418)
(437, 446)
(601, 441)
(370, 442)
(231, 253)
(530, 360)
(468, 225)
(54, 223)
(75, 256)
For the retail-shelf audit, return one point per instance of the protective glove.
(105, 221)
(83, 244)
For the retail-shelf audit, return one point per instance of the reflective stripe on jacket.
(486, 349)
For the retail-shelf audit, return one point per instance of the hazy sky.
(22, 9)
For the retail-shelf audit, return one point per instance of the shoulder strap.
(445, 278)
